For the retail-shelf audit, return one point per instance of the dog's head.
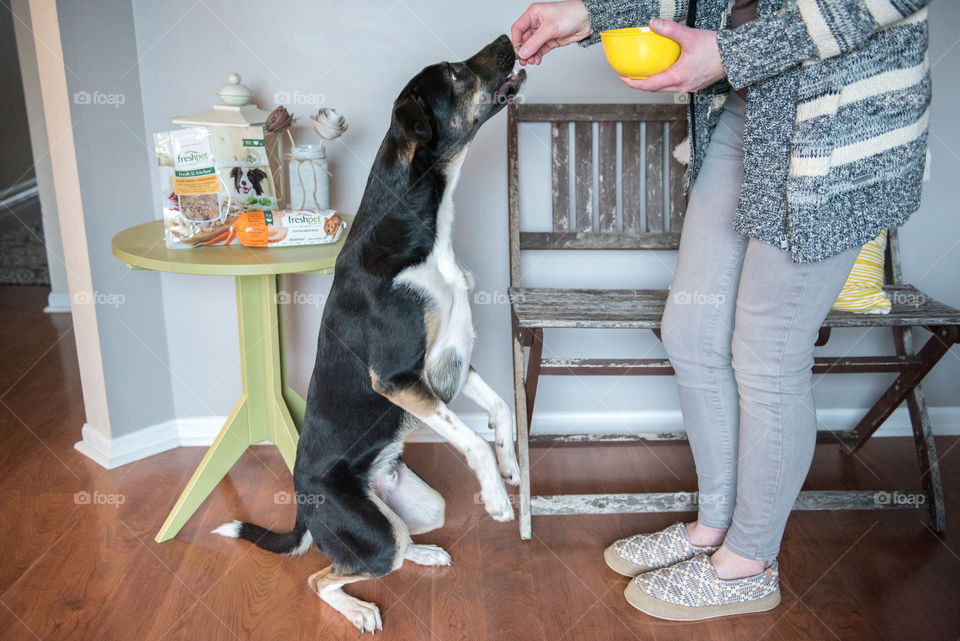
(443, 106)
(247, 181)
(332, 225)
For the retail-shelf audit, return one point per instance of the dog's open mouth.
(511, 86)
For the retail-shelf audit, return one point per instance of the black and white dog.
(395, 347)
(247, 181)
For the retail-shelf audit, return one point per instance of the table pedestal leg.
(268, 410)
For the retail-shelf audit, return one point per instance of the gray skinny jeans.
(740, 326)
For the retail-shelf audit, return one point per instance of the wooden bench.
(656, 225)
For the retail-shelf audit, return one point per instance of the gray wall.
(356, 58)
(100, 55)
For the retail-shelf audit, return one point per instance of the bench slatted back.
(650, 180)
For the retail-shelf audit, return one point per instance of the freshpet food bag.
(208, 177)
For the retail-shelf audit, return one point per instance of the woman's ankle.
(730, 565)
(703, 535)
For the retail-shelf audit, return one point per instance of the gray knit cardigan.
(836, 118)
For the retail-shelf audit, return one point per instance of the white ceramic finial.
(233, 93)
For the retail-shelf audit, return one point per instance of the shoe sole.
(673, 612)
(620, 565)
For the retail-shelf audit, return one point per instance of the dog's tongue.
(513, 81)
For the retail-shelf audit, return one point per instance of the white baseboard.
(202, 430)
(57, 303)
(181, 432)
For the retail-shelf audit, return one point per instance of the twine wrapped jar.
(309, 178)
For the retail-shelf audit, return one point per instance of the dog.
(395, 344)
(332, 225)
(247, 181)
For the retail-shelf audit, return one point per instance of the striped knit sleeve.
(616, 14)
(805, 30)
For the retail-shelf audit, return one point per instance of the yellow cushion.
(863, 291)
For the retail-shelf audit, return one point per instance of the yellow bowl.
(638, 52)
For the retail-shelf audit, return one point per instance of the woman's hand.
(699, 64)
(548, 25)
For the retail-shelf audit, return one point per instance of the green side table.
(268, 409)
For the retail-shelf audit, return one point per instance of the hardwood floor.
(77, 571)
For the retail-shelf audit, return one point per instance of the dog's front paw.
(498, 505)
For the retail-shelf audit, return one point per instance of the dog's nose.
(504, 39)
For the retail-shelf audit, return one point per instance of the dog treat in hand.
(288, 228)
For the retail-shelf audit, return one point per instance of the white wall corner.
(182, 432)
(200, 431)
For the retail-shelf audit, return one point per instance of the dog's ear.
(412, 119)
(235, 173)
(257, 174)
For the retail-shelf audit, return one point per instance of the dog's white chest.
(445, 286)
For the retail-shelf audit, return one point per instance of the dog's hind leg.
(328, 585)
(498, 413)
(364, 538)
(419, 506)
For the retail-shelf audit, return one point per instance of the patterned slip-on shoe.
(644, 552)
(691, 590)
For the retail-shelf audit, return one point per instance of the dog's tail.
(292, 543)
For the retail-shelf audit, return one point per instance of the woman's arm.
(616, 14)
(806, 30)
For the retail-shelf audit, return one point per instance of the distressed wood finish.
(654, 188)
(589, 240)
(598, 223)
(916, 403)
(663, 127)
(688, 502)
(607, 176)
(583, 161)
(523, 431)
(643, 309)
(513, 193)
(533, 371)
(632, 163)
(545, 112)
(560, 175)
(662, 367)
(930, 354)
(594, 438)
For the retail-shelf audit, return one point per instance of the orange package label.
(251, 228)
